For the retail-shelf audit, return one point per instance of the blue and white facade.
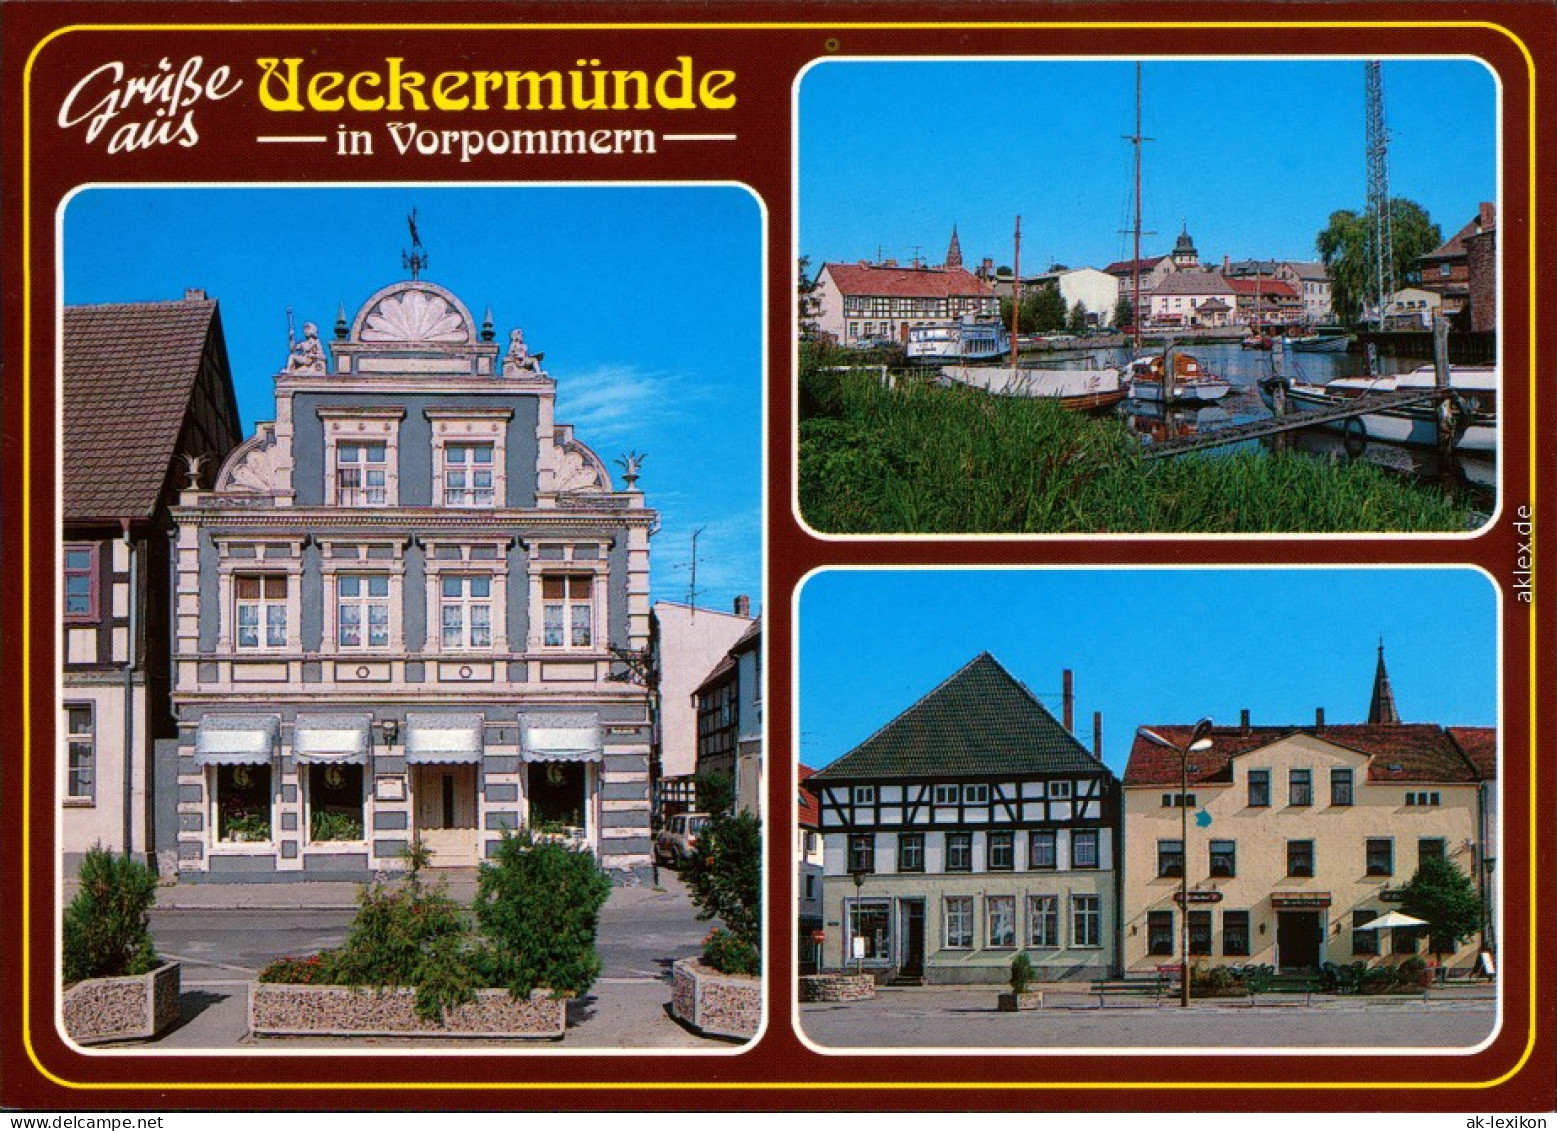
(401, 613)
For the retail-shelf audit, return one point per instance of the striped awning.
(447, 739)
(237, 740)
(331, 738)
(560, 738)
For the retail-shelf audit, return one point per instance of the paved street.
(960, 1017)
(224, 933)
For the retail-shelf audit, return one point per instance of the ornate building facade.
(407, 609)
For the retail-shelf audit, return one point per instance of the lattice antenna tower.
(1382, 262)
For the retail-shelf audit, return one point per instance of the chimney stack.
(1097, 735)
(1243, 720)
(194, 294)
(1227, 264)
(1319, 718)
(1069, 701)
(743, 606)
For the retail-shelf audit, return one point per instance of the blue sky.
(646, 301)
(1148, 646)
(1254, 156)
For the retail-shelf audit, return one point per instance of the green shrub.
(723, 952)
(1022, 973)
(324, 825)
(106, 929)
(538, 904)
(724, 875)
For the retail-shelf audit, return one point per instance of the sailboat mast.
(1016, 292)
(1135, 262)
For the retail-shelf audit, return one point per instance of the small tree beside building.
(1445, 899)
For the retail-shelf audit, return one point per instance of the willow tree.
(1345, 247)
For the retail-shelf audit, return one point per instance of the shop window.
(871, 920)
(1159, 932)
(1043, 921)
(1000, 921)
(959, 922)
(240, 800)
(260, 602)
(81, 754)
(1235, 934)
(335, 803)
(568, 609)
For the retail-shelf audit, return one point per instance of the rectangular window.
(1404, 940)
(1043, 921)
(261, 608)
(361, 475)
(240, 796)
(862, 853)
(1040, 850)
(1159, 932)
(1200, 932)
(1000, 921)
(80, 581)
(1170, 858)
(1340, 787)
(1002, 851)
(1430, 848)
(975, 795)
(569, 610)
(1422, 798)
(1235, 933)
(1083, 848)
(959, 922)
(465, 610)
(910, 852)
(1086, 920)
(946, 794)
(871, 920)
(864, 795)
(1178, 800)
(1059, 790)
(467, 475)
(1300, 787)
(1300, 858)
(1381, 856)
(362, 610)
(1224, 858)
(81, 753)
(335, 803)
(1364, 941)
(959, 852)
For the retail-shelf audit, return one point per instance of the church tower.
(1382, 709)
(954, 252)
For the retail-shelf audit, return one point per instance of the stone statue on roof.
(519, 359)
(307, 356)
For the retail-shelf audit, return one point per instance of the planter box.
(137, 1007)
(719, 1005)
(837, 987)
(1012, 1003)
(282, 1010)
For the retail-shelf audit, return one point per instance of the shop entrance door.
(1298, 936)
(446, 812)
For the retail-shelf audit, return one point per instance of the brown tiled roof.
(749, 639)
(1409, 752)
(980, 722)
(1454, 247)
(810, 808)
(906, 282)
(1480, 745)
(1315, 271)
(1194, 283)
(130, 370)
(1274, 288)
(1122, 266)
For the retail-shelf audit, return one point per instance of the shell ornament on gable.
(577, 472)
(254, 466)
(415, 316)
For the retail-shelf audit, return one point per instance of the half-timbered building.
(407, 610)
(969, 829)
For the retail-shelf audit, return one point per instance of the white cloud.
(617, 403)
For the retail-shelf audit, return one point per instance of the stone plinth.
(837, 987)
(136, 1007)
(282, 1010)
(719, 1005)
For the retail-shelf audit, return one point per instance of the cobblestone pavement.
(961, 1017)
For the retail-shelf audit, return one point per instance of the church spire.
(1382, 708)
(954, 252)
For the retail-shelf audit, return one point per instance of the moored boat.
(1188, 382)
(1474, 388)
(1318, 343)
(1256, 342)
(960, 341)
(1081, 390)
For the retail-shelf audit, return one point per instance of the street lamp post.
(859, 886)
(1199, 740)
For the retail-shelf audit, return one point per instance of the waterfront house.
(410, 606)
(1097, 291)
(871, 302)
(1193, 298)
(1311, 281)
(1446, 270)
(145, 384)
(970, 828)
(1265, 302)
(1299, 836)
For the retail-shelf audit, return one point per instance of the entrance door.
(912, 911)
(446, 812)
(1298, 935)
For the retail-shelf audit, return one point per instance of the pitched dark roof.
(906, 282)
(810, 808)
(130, 371)
(980, 722)
(1405, 752)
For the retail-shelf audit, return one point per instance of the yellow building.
(1299, 836)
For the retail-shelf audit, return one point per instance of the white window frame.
(957, 916)
(946, 794)
(468, 603)
(1043, 922)
(463, 460)
(991, 902)
(1080, 915)
(75, 737)
(242, 557)
(357, 558)
(264, 605)
(362, 604)
(863, 795)
(570, 606)
(1059, 791)
(465, 427)
(975, 794)
(361, 425)
(463, 561)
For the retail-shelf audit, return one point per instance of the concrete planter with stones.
(837, 987)
(135, 1007)
(282, 1010)
(715, 1004)
(1013, 1003)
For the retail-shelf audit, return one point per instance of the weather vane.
(415, 259)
